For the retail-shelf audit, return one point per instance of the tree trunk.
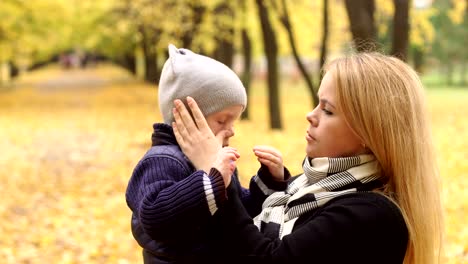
(5, 74)
(247, 74)
(198, 10)
(14, 70)
(151, 72)
(127, 61)
(400, 29)
(284, 18)
(323, 46)
(463, 81)
(224, 51)
(361, 20)
(149, 52)
(449, 73)
(418, 60)
(271, 51)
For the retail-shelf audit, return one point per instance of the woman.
(369, 192)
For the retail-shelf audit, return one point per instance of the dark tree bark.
(198, 11)
(285, 21)
(14, 71)
(361, 19)
(449, 74)
(400, 29)
(127, 61)
(247, 71)
(463, 67)
(271, 51)
(150, 37)
(224, 51)
(323, 46)
(246, 75)
(418, 60)
(39, 64)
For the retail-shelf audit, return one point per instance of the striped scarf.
(323, 179)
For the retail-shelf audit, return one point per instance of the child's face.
(224, 120)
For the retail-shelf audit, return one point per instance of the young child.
(172, 198)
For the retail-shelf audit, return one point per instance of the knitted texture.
(323, 180)
(213, 85)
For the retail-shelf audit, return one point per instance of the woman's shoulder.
(354, 221)
(372, 199)
(367, 212)
(368, 204)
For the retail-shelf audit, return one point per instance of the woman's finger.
(268, 155)
(179, 137)
(184, 116)
(180, 127)
(200, 120)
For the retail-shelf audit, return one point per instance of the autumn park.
(78, 97)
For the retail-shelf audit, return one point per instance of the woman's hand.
(194, 136)
(271, 158)
(225, 163)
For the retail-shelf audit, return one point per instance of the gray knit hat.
(213, 85)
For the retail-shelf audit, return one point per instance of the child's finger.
(267, 149)
(268, 155)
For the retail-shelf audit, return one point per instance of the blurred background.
(78, 97)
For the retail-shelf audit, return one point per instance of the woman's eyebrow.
(325, 101)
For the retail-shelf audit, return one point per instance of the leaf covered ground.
(69, 142)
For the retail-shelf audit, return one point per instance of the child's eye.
(221, 122)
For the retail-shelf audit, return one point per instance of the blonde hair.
(383, 101)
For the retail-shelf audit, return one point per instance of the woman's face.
(224, 120)
(328, 134)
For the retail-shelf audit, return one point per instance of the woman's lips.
(309, 137)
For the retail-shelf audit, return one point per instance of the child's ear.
(172, 51)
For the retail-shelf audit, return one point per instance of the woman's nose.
(312, 118)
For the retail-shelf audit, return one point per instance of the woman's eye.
(327, 112)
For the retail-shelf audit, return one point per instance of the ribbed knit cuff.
(266, 177)
(214, 189)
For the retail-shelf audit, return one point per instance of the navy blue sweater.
(172, 203)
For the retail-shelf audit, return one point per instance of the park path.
(55, 78)
(72, 79)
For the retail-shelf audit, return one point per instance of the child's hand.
(226, 163)
(271, 158)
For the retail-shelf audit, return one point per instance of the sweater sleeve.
(168, 201)
(337, 230)
(262, 185)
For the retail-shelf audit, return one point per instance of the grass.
(67, 154)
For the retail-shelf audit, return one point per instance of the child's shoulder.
(168, 150)
(171, 152)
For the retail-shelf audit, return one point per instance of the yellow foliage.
(457, 13)
(67, 154)
(422, 31)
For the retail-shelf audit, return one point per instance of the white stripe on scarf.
(321, 177)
